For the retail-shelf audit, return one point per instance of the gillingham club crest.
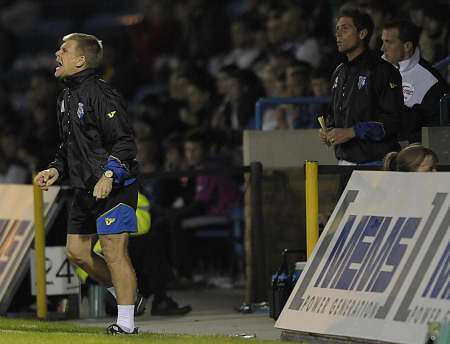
(80, 111)
(361, 81)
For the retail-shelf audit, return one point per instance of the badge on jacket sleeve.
(361, 81)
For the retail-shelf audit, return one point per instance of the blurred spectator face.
(196, 98)
(173, 159)
(432, 26)
(222, 82)
(41, 89)
(320, 87)
(428, 164)
(394, 49)
(293, 25)
(275, 30)
(296, 82)
(177, 86)
(240, 36)
(68, 59)
(40, 116)
(142, 130)
(417, 16)
(273, 86)
(377, 15)
(147, 150)
(348, 38)
(193, 153)
(156, 11)
(9, 145)
(234, 89)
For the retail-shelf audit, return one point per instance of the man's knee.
(114, 248)
(78, 253)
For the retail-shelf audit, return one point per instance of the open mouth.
(58, 64)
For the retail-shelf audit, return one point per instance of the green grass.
(19, 331)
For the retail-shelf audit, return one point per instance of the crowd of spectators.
(191, 65)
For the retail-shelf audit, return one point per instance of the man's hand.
(337, 136)
(46, 178)
(323, 136)
(103, 188)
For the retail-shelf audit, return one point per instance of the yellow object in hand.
(321, 120)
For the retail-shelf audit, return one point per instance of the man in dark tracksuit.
(366, 101)
(97, 154)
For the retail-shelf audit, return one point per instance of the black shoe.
(115, 329)
(167, 306)
(139, 305)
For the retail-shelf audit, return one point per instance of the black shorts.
(112, 215)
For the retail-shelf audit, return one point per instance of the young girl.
(412, 158)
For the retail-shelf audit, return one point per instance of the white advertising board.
(60, 274)
(381, 268)
(17, 230)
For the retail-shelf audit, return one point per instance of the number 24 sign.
(60, 274)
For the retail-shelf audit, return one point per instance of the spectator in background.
(13, 167)
(295, 116)
(297, 38)
(8, 51)
(242, 88)
(159, 112)
(320, 87)
(42, 91)
(155, 34)
(274, 27)
(7, 114)
(203, 29)
(200, 99)
(434, 39)
(244, 46)
(117, 68)
(381, 11)
(366, 97)
(200, 196)
(39, 122)
(416, 13)
(21, 16)
(412, 158)
(423, 86)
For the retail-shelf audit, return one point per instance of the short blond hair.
(89, 45)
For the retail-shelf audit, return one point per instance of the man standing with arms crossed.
(97, 153)
(366, 101)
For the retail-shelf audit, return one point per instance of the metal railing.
(263, 103)
(442, 64)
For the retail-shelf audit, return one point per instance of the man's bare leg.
(79, 251)
(115, 250)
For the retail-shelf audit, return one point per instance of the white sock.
(112, 291)
(125, 317)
